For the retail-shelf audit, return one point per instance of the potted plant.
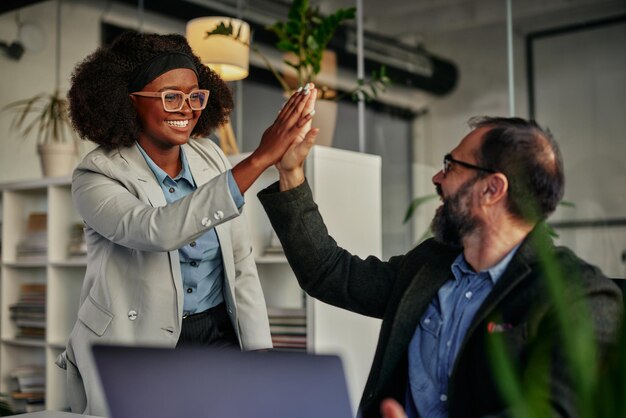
(303, 37)
(47, 115)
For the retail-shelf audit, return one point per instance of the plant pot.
(57, 159)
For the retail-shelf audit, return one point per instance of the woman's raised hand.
(291, 124)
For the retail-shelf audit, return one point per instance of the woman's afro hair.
(100, 106)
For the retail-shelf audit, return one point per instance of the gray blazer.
(132, 291)
(399, 291)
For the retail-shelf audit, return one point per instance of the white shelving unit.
(347, 188)
(62, 276)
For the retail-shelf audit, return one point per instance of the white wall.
(482, 89)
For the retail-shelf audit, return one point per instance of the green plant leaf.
(45, 114)
(221, 29)
(278, 29)
(293, 29)
(416, 203)
(311, 43)
(298, 10)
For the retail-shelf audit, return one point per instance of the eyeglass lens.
(173, 100)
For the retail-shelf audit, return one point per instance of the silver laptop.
(204, 383)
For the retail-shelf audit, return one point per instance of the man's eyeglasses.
(448, 160)
(174, 100)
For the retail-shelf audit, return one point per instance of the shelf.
(38, 184)
(24, 342)
(57, 345)
(62, 277)
(77, 262)
(271, 259)
(30, 263)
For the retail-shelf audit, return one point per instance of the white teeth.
(178, 123)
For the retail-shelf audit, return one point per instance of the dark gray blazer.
(400, 290)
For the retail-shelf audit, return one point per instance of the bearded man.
(480, 275)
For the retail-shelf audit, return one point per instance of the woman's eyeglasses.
(174, 100)
(448, 161)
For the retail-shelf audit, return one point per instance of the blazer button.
(218, 215)
(205, 222)
(132, 315)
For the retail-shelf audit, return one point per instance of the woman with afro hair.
(169, 255)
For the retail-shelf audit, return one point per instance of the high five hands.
(291, 126)
(291, 165)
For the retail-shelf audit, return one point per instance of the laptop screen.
(205, 383)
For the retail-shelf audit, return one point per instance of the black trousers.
(209, 328)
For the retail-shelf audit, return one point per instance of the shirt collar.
(161, 176)
(460, 267)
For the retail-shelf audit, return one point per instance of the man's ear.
(496, 188)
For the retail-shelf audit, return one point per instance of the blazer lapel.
(201, 169)
(154, 192)
(144, 175)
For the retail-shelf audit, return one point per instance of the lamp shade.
(222, 43)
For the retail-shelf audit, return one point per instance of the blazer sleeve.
(107, 197)
(323, 269)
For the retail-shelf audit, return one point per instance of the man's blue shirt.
(440, 333)
(201, 264)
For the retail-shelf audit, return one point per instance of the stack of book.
(288, 328)
(31, 388)
(34, 245)
(29, 313)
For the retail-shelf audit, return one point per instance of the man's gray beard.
(453, 221)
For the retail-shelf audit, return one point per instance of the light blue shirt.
(440, 333)
(201, 264)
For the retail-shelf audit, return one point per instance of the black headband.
(157, 65)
